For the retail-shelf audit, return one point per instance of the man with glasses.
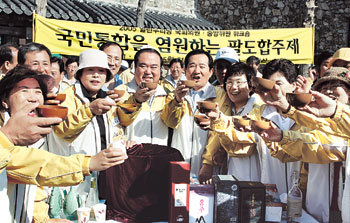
(115, 56)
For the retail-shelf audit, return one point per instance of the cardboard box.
(179, 192)
(274, 207)
(201, 203)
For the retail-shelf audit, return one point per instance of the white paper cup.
(119, 145)
(83, 214)
(100, 212)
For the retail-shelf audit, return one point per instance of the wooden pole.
(141, 8)
(40, 7)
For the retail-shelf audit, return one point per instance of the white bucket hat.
(227, 53)
(93, 58)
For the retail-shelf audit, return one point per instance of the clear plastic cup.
(119, 144)
(100, 212)
(83, 214)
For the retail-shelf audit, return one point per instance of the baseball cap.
(341, 54)
(227, 53)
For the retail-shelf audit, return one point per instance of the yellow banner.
(71, 38)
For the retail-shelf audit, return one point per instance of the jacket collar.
(171, 80)
(194, 96)
(207, 92)
(82, 93)
(271, 113)
(246, 108)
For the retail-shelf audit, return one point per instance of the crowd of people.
(107, 103)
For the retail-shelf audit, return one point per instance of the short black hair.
(286, 67)
(253, 60)
(17, 74)
(324, 55)
(59, 61)
(107, 44)
(31, 47)
(239, 68)
(6, 53)
(147, 50)
(176, 60)
(199, 51)
(72, 59)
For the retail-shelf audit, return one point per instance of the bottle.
(194, 179)
(92, 197)
(294, 199)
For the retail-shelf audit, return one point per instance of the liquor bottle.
(92, 197)
(294, 199)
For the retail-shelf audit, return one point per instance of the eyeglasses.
(235, 83)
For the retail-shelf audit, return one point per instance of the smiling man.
(115, 56)
(36, 56)
(179, 113)
(145, 104)
(176, 68)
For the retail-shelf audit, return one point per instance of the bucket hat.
(334, 73)
(341, 54)
(93, 58)
(227, 53)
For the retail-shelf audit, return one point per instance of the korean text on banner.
(71, 38)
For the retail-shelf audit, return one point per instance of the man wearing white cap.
(223, 60)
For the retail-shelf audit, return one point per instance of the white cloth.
(274, 171)
(346, 193)
(88, 142)
(188, 138)
(4, 199)
(245, 168)
(319, 191)
(148, 126)
(320, 181)
(22, 196)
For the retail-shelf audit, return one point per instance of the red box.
(180, 192)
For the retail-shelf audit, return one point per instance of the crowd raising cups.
(64, 122)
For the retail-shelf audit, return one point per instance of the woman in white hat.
(91, 123)
(21, 91)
